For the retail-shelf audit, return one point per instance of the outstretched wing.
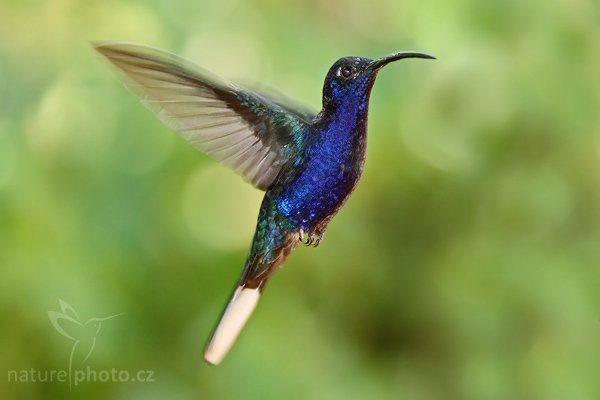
(244, 130)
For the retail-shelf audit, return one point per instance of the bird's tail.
(262, 262)
(236, 314)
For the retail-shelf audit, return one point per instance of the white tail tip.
(234, 318)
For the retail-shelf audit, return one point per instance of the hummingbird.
(307, 163)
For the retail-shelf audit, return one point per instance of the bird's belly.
(318, 191)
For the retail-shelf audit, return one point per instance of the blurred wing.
(282, 100)
(252, 134)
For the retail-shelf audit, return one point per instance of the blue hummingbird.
(307, 163)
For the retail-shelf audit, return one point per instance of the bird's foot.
(311, 239)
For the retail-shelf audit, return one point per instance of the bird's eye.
(346, 71)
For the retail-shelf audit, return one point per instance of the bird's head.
(351, 78)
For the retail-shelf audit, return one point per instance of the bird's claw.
(312, 239)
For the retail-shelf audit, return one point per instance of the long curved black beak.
(383, 61)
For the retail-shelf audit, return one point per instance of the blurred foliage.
(465, 266)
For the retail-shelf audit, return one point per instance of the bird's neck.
(346, 117)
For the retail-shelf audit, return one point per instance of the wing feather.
(244, 130)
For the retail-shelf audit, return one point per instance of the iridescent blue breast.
(329, 171)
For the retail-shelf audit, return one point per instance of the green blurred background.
(465, 266)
